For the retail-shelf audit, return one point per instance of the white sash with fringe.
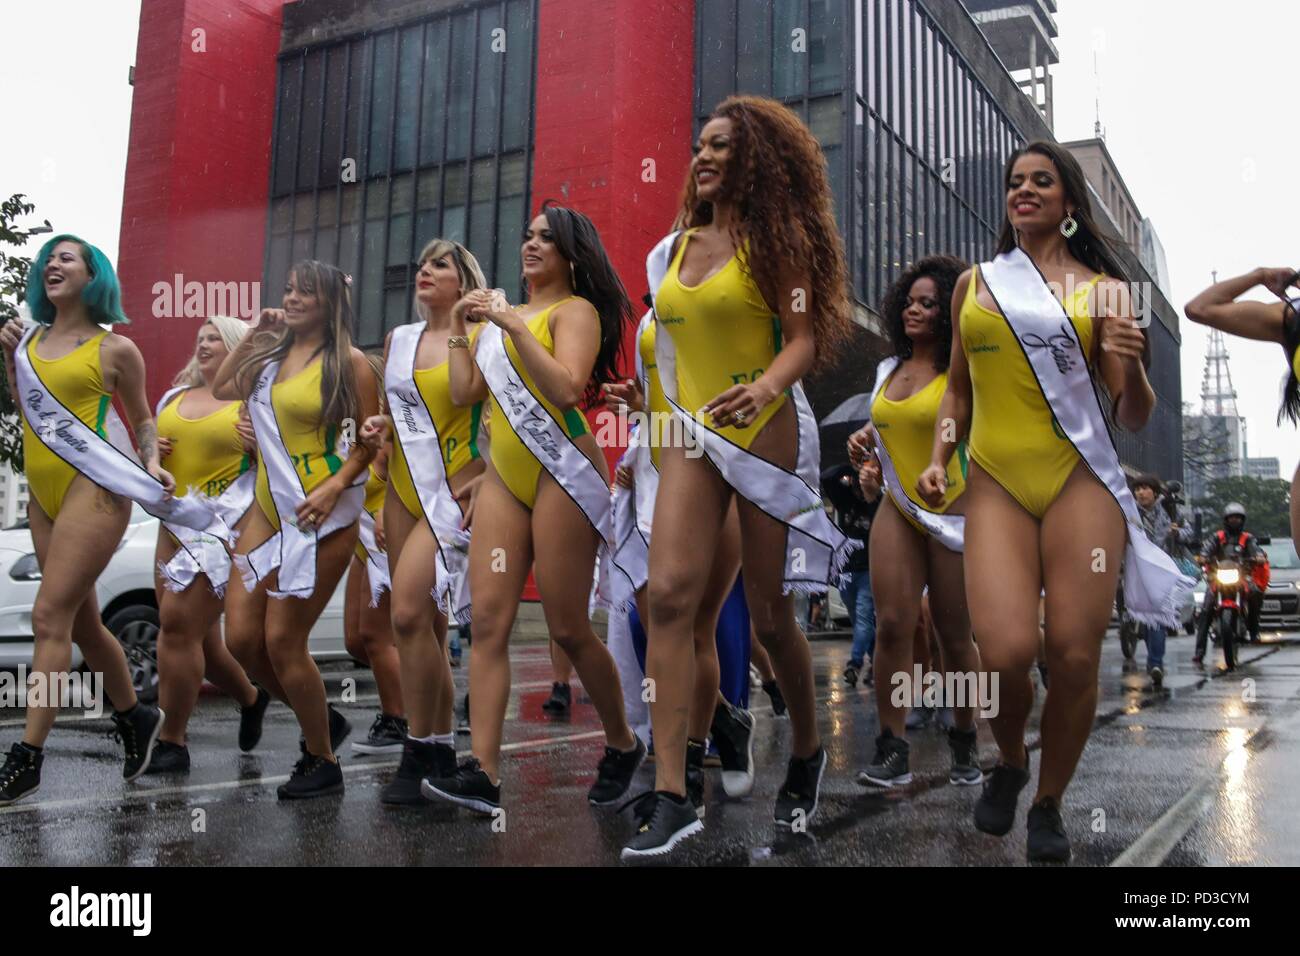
(948, 530)
(543, 435)
(816, 548)
(292, 549)
(376, 559)
(201, 553)
(110, 463)
(417, 433)
(1154, 588)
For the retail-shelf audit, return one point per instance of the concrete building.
(1022, 32)
(1267, 468)
(13, 496)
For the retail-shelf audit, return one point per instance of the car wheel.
(136, 629)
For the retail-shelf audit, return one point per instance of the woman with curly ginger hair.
(914, 546)
(749, 298)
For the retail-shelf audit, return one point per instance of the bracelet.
(458, 341)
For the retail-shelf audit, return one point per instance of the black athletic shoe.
(561, 699)
(851, 674)
(890, 767)
(796, 801)
(966, 771)
(733, 734)
(1157, 677)
(340, 727)
(312, 777)
(614, 774)
(21, 773)
(695, 775)
(1047, 840)
(387, 736)
(995, 811)
(420, 759)
(138, 730)
(250, 721)
(778, 699)
(662, 821)
(169, 758)
(467, 787)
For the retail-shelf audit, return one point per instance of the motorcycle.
(1226, 601)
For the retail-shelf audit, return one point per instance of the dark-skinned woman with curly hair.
(913, 546)
(748, 296)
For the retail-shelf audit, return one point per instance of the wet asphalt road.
(1194, 775)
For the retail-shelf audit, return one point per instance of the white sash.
(111, 463)
(948, 530)
(1154, 588)
(417, 434)
(815, 548)
(543, 435)
(376, 559)
(292, 549)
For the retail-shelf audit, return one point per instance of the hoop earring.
(1069, 226)
(573, 277)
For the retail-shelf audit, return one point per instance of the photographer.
(1166, 527)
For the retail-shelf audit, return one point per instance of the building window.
(436, 125)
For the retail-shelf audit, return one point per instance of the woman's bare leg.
(246, 611)
(898, 572)
(951, 618)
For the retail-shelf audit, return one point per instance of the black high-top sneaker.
(20, 775)
(138, 730)
(420, 759)
(733, 735)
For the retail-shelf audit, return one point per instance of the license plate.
(1272, 605)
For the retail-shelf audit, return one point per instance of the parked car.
(127, 601)
(1281, 607)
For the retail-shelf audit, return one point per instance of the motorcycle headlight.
(1227, 576)
(26, 569)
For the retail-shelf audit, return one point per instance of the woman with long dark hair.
(747, 299)
(1047, 505)
(304, 383)
(912, 547)
(544, 500)
(1219, 308)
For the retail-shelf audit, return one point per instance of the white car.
(126, 599)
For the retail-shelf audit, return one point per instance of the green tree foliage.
(13, 283)
(1267, 502)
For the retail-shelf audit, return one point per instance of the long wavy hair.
(467, 266)
(102, 294)
(944, 271)
(1291, 341)
(338, 386)
(232, 331)
(778, 182)
(594, 279)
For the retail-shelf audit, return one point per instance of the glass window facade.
(386, 140)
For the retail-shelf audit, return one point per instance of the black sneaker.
(778, 699)
(462, 718)
(21, 773)
(312, 776)
(995, 811)
(796, 801)
(467, 787)
(966, 771)
(420, 759)
(1047, 840)
(250, 721)
(169, 758)
(851, 674)
(340, 727)
(387, 736)
(614, 774)
(695, 775)
(662, 821)
(890, 766)
(138, 730)
(733, 735)
(561, 699)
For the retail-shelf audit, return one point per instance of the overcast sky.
(1198, 97)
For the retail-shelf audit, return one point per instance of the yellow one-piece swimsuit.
(1013, 435)
(76, 380)
(724, 334)
(376, 491)
(517, 466)
(458, 429)
(656, 402)
(297, 405)
(906, 427)
(207, 454)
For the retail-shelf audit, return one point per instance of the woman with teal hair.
(64, 374)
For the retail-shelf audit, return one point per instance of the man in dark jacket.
(854, 514)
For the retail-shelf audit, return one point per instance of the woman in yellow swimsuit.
(1277, 322)
(1036, 517)
(77, 525)
(323, 382)
(756, 293)
(905, 558)
(368, 630)
(563, 345)
(199, 441)
(447, 272)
